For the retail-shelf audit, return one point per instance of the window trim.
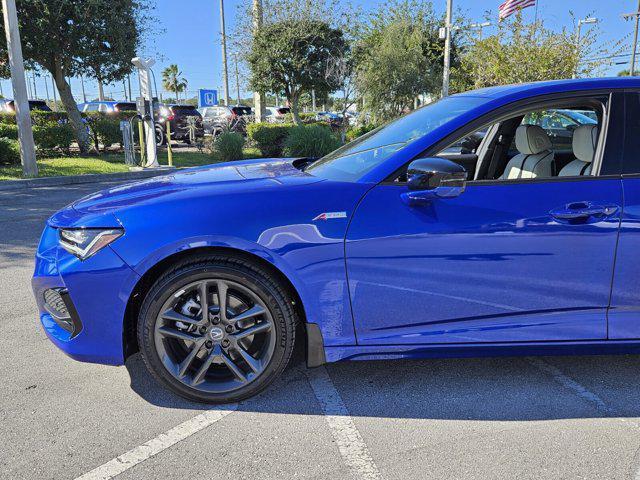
(523, 106)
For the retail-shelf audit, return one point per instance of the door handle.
(582, 211)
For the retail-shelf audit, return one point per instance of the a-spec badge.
(330, 215)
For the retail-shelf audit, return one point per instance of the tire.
(179, 292)
(161, 138)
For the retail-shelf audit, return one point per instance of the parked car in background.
(107, 107)
(8, 106)
(220, 118)
(276, 114)
(182, 118)
(333, 119)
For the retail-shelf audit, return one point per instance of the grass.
(109, 163)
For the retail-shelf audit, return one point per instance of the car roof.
(554, 86)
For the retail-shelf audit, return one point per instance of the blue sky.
(190, 34)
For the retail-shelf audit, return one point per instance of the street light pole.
(636, 16)
(259, 101)
(16, 64)
(582, 21)
(225, 69)
(447, 51)
(237, 80)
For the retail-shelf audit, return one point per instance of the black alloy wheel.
(216, 329)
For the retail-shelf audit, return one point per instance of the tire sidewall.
(167, 286)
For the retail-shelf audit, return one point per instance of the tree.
(340, 70)
(72, 37)
(291, 57)
(520, 52)
(399, 57)
(173, 81)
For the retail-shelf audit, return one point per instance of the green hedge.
(269, 138)
(105, 131)
(53, 137)
(9, 152)
(8, 131)
(358, 131)
(312, 141)
(226, 147)
(308, 117)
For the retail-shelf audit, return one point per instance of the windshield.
(353, 160)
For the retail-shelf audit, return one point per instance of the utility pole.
(129, 85)
(636, 16)
(259, 100)
(237, 79)
(16, 64)
(46, 88)
(35, 89)
(225, 69)
(447, 51)
(313, 99)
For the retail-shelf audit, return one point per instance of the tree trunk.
(293, 100)
(100, 90)
(79, 128)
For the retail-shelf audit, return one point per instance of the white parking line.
(156, 445)
(350, 443)
(571, 384)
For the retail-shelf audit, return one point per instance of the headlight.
(85, 242)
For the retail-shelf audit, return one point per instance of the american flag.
(512, 6)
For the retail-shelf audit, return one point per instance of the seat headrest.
(532, 139)
(585, 139)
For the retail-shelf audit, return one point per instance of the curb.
(28, 183)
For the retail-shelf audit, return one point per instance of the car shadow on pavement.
(492, 389)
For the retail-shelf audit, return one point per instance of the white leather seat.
(585, 139)
(535, 158)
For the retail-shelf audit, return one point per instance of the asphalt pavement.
(503, 418)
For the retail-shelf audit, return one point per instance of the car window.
(91, 108)
(559, 124)
(355, 159)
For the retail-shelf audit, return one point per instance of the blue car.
(393, 246)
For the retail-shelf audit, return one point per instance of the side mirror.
(432, 178)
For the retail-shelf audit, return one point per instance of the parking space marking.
(571, 384)
(353, 449)
(156, 445)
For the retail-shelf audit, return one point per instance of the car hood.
(224, 178)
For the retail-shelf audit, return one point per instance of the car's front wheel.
(216, 329)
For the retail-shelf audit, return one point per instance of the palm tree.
(173, 81)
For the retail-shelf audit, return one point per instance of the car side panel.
(624, 314)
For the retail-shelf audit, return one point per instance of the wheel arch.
(130, 341)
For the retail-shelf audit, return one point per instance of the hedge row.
(278, 139)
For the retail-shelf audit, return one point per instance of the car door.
(500, 263)
(624, 314)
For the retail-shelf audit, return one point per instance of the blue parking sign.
(208, 98)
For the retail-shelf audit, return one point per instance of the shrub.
(105, 131)
(269, 137)
(358, 131)
(8, 131)
(9, 152)
(53, 136)
(226, 147)
(7, 118)
(305, 117)
(38, 117)
(312, 141)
